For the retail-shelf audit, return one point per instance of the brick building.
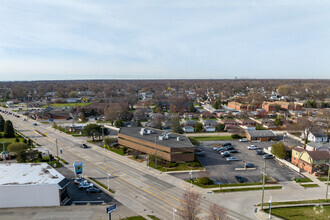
(272, 106)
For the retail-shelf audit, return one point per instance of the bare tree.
(190, 206)
(306, 126)
(217, 213)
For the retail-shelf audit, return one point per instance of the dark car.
(226, 154)
(260, 152)
(233, 151)
(226, 144)
(93, 190)
(248, 165)
(221, 150)
(201, 153)
(240, 179)
(229, 148)
(83, 146)
(268, 156)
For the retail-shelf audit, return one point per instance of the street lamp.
(4, 156)
(190, 178)
(270, 208)
(103, 136)
(48, 156)
(263, 184)
(174, 211)
(108, 176)
(326, 196)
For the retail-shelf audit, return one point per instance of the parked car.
(35, 124)
(216, 148)
(233, 151)
(252, 147)
(78, 180)
(248, 165)
(260, 152)
(243, 140)
(83, 146)
(201, 153)
(226, 154)
(240, 179)
(221, 150)
(226, 144)
(85, 185)
(268, 156)
(93, 190)
(229, 148)
(231, 159)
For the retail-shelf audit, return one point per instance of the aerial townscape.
(164, 110)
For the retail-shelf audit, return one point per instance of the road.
(146, 192)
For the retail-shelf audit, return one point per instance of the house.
(261, 135)
(190, 123)
(188, 129)
(210, 123)
(246, 122)
(209, 129)
(316, 134)
(229, 122)
(310, 161)
(318, 146)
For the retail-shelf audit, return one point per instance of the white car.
(232, 159)
(252, 147)
(243, 140)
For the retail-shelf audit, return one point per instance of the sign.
(78, 167)
(61, 151)
(51, 120)
(111, 208)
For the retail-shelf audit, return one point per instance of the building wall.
(29, 195)
(237, 105)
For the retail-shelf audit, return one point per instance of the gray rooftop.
(262, 133)
(317, 132)
(171, 142)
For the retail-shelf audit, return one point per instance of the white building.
(317, 135)
(31, 184)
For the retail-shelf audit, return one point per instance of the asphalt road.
(143, 191)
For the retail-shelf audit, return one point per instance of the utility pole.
(263, 184)
(56, 148)
(155, 152)
(103, 137)
(326, 196)
(4, 156)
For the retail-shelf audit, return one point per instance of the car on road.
(226, 154)
(248, 165)
(201, 153)
(233, 151)
(35, 124)
(231, 159)
(252, 147)
(240, 179)
(243, 140)
(260, 152)
(83, 146)
(85, 185)
(93, 190)
(226, 144)
(268, 156)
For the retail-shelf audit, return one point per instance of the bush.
(193, 164)
(16, 139)
(171, 164)
(235, 136)
(135, 157)
(204, 181)
(124, 150)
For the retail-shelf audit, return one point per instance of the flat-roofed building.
(31, 184)
(170, 147)
(261, 135)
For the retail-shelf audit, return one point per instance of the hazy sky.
(79, 39)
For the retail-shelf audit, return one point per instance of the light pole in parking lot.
(263, 184)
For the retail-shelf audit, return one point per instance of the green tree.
(176, 127)
(9, 131)
(278, 122)
(2, 124)
(192, 107)
(198, 127)
(17, 147)
(92, 130)
(108, 141)
(220, 127)
(278, 149)
(119, 123)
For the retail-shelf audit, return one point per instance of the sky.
(157, 39)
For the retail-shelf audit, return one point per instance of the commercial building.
(31, 184)
(238, 106)
(168, 146)
(277, 105)
(261, 135)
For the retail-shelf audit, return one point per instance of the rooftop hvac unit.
(161, 138)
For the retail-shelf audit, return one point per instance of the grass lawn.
(309, 185)
(303, 180)
(67, 104)
(102, 185)
(179, 167)
(153, 217)
(302, 213)
(134, 218)
(246, 189)
(115, 150)
(8, 141)
(323, 179)
(296, 202)
(211, 138)
(224, 185)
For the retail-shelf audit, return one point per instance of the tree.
(2, 124)
(17, 147)
(190, 206)
(108, 141)
(176, 127)
(306, 126)
(278, 122)
(9, 131)
(119, 123)
(198, 127)
(278, 149)
(192, 107)
(92, 130)
(220, 127)
(217, 213)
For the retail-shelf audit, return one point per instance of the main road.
(144, 191)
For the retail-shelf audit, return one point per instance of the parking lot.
(220, 170)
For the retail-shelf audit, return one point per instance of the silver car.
(232, 159)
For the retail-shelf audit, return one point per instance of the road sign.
(78, 167)
(61, 151)
(111, 208)
(51, 120)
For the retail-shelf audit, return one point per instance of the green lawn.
(211, 138)
(309, 185)
(303, 213)
(303, 180)
(223, 185)
(246, 189)
(153, 217)
(296, 202)
(102, 185)
(179, 167)
(323, 179)
(8, 141)
(134, 218)
(67, 104)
